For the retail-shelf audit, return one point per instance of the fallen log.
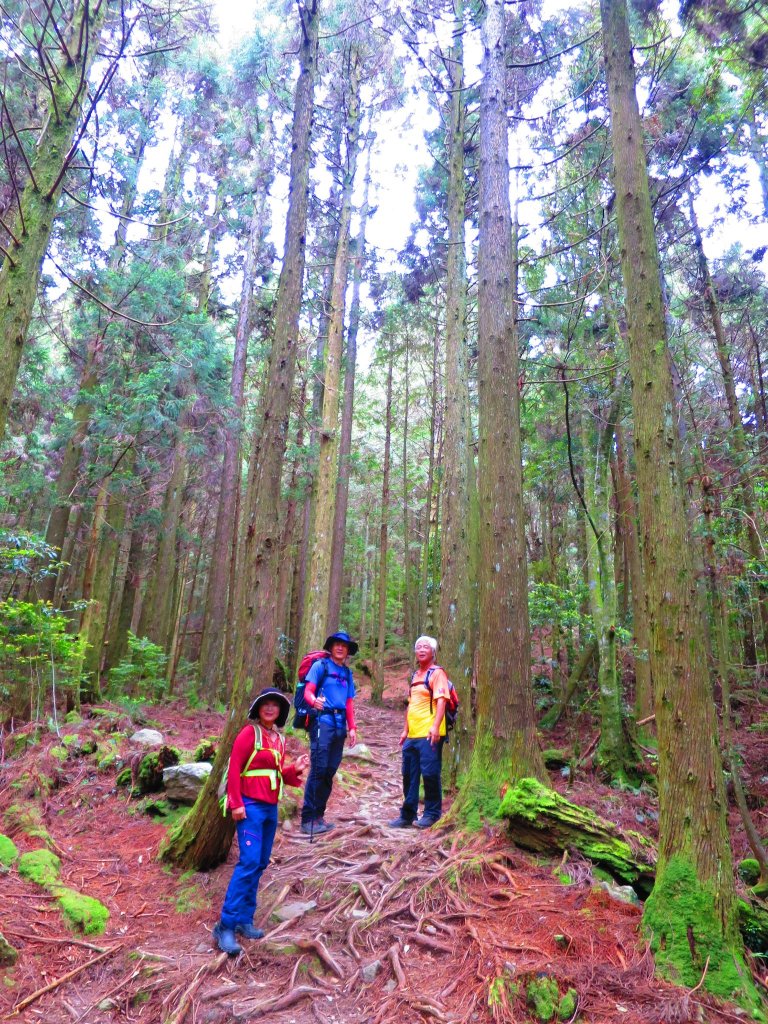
(541, 820)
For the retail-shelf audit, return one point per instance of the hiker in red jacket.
(255, 779)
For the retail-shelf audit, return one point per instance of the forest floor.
(398, 926)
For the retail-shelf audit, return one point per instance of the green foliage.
(82, 913)
(40, 866)
(8, 851)
(36, 652)
(142, 674)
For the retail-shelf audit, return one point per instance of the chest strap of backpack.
(425, 682)
(274, 775)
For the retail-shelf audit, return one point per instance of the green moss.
(543, 995)
(40, 866)
(82, 913)
(124, 777)
(60, 753)
(501, 991)
(21, 741)
(749, 871)
(205, 751)
(8, 851)
(27, 818)
(73, 718)
(555, 759)
(149, 778)
(685, 932)
(8, 953)
(568, 1004)
(107, 762)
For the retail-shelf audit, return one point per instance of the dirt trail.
(400, 926)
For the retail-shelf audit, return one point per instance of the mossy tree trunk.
(67, 69)
(456, 648)
(203, 838)
(315, 623)
(505, 747)
(345, 440)
(377, 685)
(215, 614)
(614, 755)
(690, 917)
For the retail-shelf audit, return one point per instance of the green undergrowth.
(685, 933)
(82, 913)
(9, 852)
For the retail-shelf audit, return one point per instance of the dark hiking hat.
(270, 693)
(341, 638)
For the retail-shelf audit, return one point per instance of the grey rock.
(148, 738)
(623, 893)
(369, 972)
(183, 782)
(290, 911)
(359, 752)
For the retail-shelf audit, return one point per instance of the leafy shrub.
(37, 656)
(142, 674)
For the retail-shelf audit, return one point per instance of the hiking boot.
(226, 941)
(400, 822)
(327, 825)
(426, 822)
(248, 931)
(314, 828)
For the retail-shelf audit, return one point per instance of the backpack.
(304, 712)
(451, 705)
(257, 772)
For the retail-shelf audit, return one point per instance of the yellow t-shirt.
(422, 709)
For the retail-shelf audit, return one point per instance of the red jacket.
(260, 788)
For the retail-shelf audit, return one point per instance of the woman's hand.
(301, 763)
(238, 814)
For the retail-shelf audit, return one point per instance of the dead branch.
(186, 1000)
(60, 981)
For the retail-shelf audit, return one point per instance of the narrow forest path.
(392, 925)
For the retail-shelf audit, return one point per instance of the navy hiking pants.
(255, 836)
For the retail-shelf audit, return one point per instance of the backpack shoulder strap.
(323, 673)
(257, 746)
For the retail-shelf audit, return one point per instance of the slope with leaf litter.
(391, 925)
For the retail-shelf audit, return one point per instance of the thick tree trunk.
(118, 648)
(315, 624)
(691, 915)
(377, 686)
(505, 747)
(625, 503)
(215, 613)
(31, 230)
(201, 841)
(345, 440)
(456, 648)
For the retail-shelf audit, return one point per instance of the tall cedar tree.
(505, 747)
(201, 841)
(691, 915)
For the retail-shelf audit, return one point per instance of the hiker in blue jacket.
(330, 692)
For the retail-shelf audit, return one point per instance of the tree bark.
(20, 273)
(505, 747)
(316, 624)
(201, 840)
(377, 686)
(691, 915)
(456, 647)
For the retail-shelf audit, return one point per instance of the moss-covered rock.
(82, 913)
(9, 852)
(18, 742)
(749, 871)
(568, 1004)
(73, 717)
(28, 819)
(8, 953)
(40, 866)
(124, 777)
(149, 777)
(205, 751)
(556, 759)
(59, 752)
(545, 822)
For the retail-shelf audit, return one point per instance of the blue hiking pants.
(422, 760)
(255, 836)
(326, 745)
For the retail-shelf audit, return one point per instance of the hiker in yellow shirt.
(423, 737)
